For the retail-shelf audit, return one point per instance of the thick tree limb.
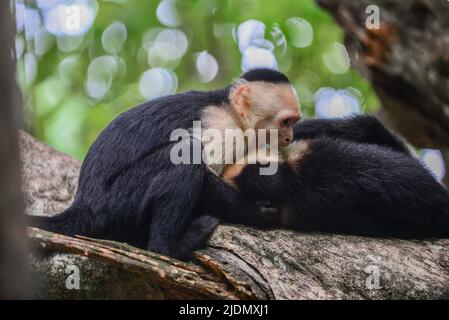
(240, 262)
(180, 280)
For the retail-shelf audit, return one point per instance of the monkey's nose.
(285, 142)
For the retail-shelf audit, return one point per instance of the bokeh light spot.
(30, 62)
(171, 44)
(207, 66)
(300, 32)
(336, 58)
(114, 37)
(254, 57)
(167, 13)
(67, 68)
(20, 46)
(248, 32)
(279, 39)
(434, 161)
(305, 94)
(158, 82)
(20, 16)
(68, 43)
(100, 74)
(70, 17)
(331, 103)
(43, 41)
(32, 22)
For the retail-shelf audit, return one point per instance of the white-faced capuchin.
(129, 190)
(349, 176)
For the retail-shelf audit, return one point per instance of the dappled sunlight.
(158, 82)
(207, 66)
(167, 13)
(114, 37)
(434, 161)
(336, 58)
(111, 56)
(332, 103)
(61, 18)
(300, 31)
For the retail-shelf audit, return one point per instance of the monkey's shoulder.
(177, 106)
(151, 122)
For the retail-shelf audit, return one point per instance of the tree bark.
(238, 263)
(14, 281)
(407, 61)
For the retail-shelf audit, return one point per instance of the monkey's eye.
(289, 122)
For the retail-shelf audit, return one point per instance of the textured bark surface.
(49, 178)
(406, 60)
(239, 262)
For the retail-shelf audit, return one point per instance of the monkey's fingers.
(268, 210)
(268, 217)
(263, 203)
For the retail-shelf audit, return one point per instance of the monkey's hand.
(266, 215)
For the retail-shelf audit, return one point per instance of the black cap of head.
(265, 75)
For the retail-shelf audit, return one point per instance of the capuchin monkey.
(349, 176)
(130, 191)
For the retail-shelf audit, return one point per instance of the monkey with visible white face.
(130, 191)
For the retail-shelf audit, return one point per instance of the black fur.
(265, 75)
(357, 178)
(361, 129)
(129, 190)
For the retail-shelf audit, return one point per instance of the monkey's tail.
(66, 223)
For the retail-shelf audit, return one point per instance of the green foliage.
(61, 113)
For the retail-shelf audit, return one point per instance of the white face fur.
(254, 105)
(262, 105)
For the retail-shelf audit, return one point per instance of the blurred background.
(83, 62)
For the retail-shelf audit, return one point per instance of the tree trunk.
(239, 262)
(13, 275)
(407, 61)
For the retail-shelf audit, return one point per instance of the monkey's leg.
(171, 198)
(196, 236)
(362, 129)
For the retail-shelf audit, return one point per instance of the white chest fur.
(217, 125)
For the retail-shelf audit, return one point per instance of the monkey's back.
(344, 187)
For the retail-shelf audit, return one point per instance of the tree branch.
(239, 262)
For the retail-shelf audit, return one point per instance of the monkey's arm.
(361, 128)
(182, 213)
(226, 202)
(256, 187)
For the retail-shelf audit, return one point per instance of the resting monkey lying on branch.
(349, 176)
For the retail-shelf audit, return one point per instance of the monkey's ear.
(240, 99)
